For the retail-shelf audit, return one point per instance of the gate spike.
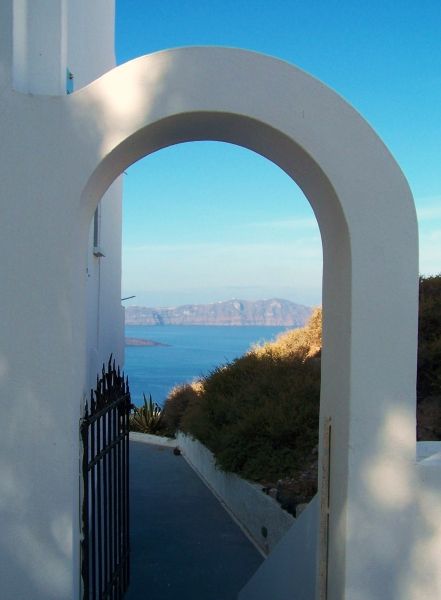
(86, 408)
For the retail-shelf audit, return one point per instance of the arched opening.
(279, 220)
(326, 195)
(369, 258)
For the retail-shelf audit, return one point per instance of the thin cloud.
(430, 253)
(285, 224)
(429, 209)
(304, 246)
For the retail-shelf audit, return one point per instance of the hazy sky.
(209, 221)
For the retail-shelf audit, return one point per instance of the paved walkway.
(184, 544)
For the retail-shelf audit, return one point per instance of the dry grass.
(302, 343)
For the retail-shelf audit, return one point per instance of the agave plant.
(147, 418)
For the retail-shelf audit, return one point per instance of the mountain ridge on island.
(272, 312)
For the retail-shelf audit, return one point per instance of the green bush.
(429, 337)
(177, 403)
(258, 415)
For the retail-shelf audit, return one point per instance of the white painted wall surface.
(424, 578)
(41, 378)
(50, 38)
(91, 53)
(105, 315)
(90, 40)
(40, 46)
(111, 313)
(291, 565)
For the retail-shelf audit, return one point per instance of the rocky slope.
(275, 312)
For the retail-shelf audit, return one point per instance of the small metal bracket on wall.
(325, 511)
(98, 252)
(69, 82)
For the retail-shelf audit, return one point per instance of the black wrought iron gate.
(105, 546)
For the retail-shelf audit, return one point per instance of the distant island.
(273, 312)
(129, 341)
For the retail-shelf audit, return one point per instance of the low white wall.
(155, 440)
(424, 574)
(291, 565)
(426, 449)
(255, 511)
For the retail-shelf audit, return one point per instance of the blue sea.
(192, 351)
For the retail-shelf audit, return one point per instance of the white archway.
(368, 226)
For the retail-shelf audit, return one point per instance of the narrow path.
(184, 544)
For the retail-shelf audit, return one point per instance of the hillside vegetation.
(429, 359)
(259, 413)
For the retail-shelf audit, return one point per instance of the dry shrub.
(303, 343)
(177, 402)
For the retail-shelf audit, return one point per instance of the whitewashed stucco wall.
(51, 39)
(42, 381)
(105, 315)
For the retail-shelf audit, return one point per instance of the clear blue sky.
(209, 221)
